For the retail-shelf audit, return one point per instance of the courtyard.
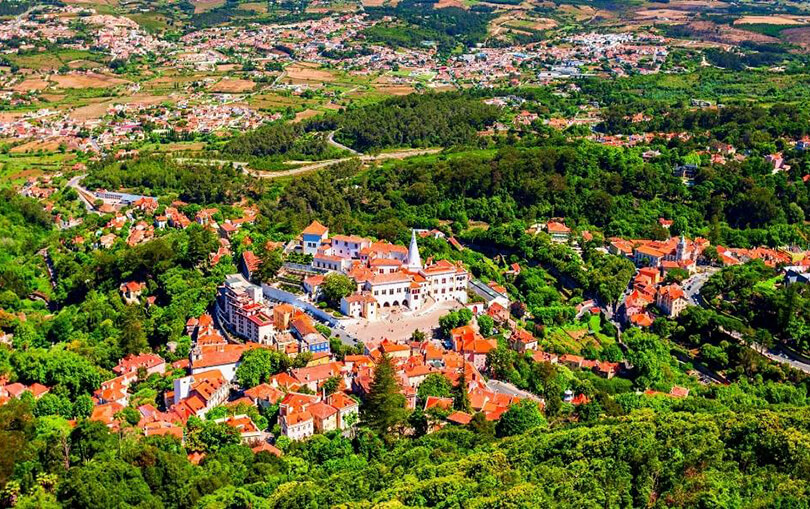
(398, 324)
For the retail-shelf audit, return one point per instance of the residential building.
(198, 393)
(359, 305)
(241, 307)
(558, 231)
(472, 346)
(248, 431)
(347, 409)
(349, 246)
(313, 237)
(522, 340)
(309, 339)
(671, 300)
(131, 291)
(325, 417)
(224, 358)
(151, 363)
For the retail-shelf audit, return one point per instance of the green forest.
(741, 453)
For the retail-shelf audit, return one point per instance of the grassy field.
(15, 169)
(54, 59)
(723, 86)
(152, 22)
(765, 28)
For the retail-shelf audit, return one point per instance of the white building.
(298, 426)
(313, 237)
(349, 246)
(446, 281)
(242, 309)
(390, 274)
(359, 305)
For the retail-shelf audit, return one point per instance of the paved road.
(83, 193)
(691, 286)
(331, 140)
(344, 337)
(212, 162)
(400, 154)
(776, 354)
(509, 389)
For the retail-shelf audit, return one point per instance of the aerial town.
(404, 253)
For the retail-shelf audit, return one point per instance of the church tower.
(414, 260)
(681, 251)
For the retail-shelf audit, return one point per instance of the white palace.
(387, 275)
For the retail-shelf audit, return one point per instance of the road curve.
(400, 154)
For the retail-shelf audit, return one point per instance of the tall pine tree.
(385, 405)
(461, 400)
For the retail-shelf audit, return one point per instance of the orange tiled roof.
(315, 228)
(462, 418)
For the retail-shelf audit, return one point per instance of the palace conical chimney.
(414, 260)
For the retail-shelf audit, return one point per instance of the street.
(83, 193)
(777, 354)
(692, 285)
(510, 390)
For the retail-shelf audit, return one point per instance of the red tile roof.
(437, 402)
(265, 447)
(264, 392)
(462, 418)
(315, 228)
(321, 410)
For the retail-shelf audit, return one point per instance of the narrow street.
(692, 285)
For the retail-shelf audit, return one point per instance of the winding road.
(319, 165)
(331, 140)
(84, 195)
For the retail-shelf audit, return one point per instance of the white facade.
(446, 285)
(391, 290)
(329, 262)
(359, 306)
(242, 308)
(298, 431)
(348, 246)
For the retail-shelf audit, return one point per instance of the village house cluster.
(305, 408)
(134, 121)
(325, 393)
(119, 36)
